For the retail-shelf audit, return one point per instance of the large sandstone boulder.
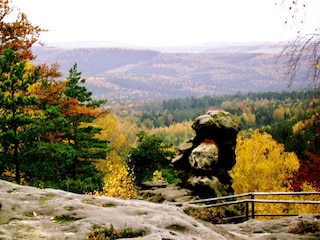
(203, 162)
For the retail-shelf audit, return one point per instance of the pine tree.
(81, 136)
(64, 142)
(15, 78)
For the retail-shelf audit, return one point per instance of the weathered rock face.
(31, 213)
(203, 162)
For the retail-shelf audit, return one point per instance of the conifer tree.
(81, 136)
(15, 79)
(65, 136)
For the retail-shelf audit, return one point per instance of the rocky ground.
(31, 213)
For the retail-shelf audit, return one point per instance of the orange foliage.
(49, 73)
(50, 93)
(53, 94)
(19, 34)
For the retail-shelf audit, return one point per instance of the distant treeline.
(254, 109)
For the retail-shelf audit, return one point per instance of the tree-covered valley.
(106, 120)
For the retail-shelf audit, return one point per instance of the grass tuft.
(110, 233)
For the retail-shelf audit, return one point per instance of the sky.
(166, 22)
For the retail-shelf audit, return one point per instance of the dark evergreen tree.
(81, 135)
(16, 109)
(149, 155)
(62, 143)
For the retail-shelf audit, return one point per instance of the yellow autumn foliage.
(313, 118)
(175, 134)
(157, 175)
(121, 134)
(249, 118)
(263, 166)
(117, 182)
(300, 126)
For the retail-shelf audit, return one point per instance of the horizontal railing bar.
(277, 215)
(285, 193)
(263, 215)
(224, 203)
(252, 194)
(259, 201)
(283, 201)
(218, 198)
(234, 217)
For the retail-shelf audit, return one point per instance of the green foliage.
(63, 219)
(51, 166)
(111, 234)
(169, 175)
(15, 78)
(282, 132)
(47, 162)
(83, 137)
(256, 109)
(75, 89)
(150, 154)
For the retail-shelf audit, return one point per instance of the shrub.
(304, 227)
(110, 233)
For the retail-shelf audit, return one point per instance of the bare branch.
(301, 58)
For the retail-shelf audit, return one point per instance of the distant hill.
(120, 74)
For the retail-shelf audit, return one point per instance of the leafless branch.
(301, 58)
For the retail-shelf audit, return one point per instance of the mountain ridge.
(138, 74)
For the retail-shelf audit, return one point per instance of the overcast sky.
(164, 22)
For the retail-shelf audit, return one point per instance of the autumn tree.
(65, 134)
(17, 32)
(15, 79)
(121, 133)
(48, 156)
(308, 172)
(262, 164)
(307, 139)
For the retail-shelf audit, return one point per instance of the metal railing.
(250, 200)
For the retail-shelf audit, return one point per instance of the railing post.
(247, 211)
(252, 205)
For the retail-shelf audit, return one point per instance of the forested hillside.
(127, 74)
(255, 109)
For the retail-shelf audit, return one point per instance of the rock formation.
(203, 162)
